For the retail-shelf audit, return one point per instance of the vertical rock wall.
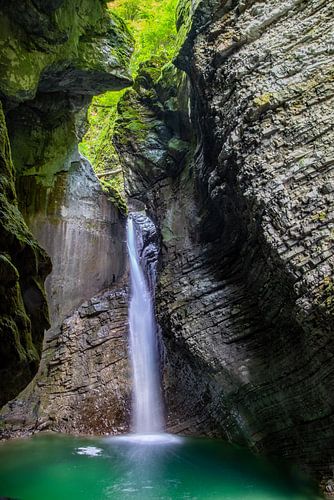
(55, 55)
(81, 231)
(245, 299)
(23, 268)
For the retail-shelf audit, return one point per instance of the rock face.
(82, 385)
(61, 46)
(81, 231)
(150, 127)
(54, 56)
(232, 153)
(246, 217)
(23, 268)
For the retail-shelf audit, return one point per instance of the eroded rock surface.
(81, 231)
(82, 385)
(246, 286)
(23, 268)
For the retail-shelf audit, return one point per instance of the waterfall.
(147, 411)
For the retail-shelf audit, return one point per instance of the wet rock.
(23, 268)
(81, 50)
(151, 129)
(54, 56)
(330, 486)
(245, 299)
(83, 384)
(81, 231)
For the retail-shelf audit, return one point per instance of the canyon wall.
(55, 55)
(82, 385)
(234, 159)
(231, 150)
(23, 268)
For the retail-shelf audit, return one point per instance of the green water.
(52, 467)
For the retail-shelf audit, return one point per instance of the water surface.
(55, 467)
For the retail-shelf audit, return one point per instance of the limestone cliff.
(81, 231)
(54, 55)
(246, 217)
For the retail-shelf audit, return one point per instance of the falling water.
(147, 404)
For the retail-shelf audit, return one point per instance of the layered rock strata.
(246, 285)
(84, 381)
(82, 385)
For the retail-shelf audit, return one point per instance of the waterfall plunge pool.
(160, 467)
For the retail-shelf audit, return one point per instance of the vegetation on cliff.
(152, 24)
(38, 48)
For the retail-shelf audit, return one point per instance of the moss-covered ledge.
(78, 47)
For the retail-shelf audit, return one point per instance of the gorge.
(227, 142)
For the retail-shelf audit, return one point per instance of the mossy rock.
(325, 296)
(79, 48)
(23, 268)
(149, 128)
(113, 189)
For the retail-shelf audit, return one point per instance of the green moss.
(263, 99)
(23, 267)
(319, 217)
(79, 34)
(134, 120)
(20, 67)
(97, 144)
(184, 16)
(152, 24)
(325, 295)
(43, 150)
(114, 189)
(167, 234)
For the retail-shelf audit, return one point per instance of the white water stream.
(147, 411)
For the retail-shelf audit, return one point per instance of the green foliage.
(97, 145)
(152, 24)
(135, 122)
